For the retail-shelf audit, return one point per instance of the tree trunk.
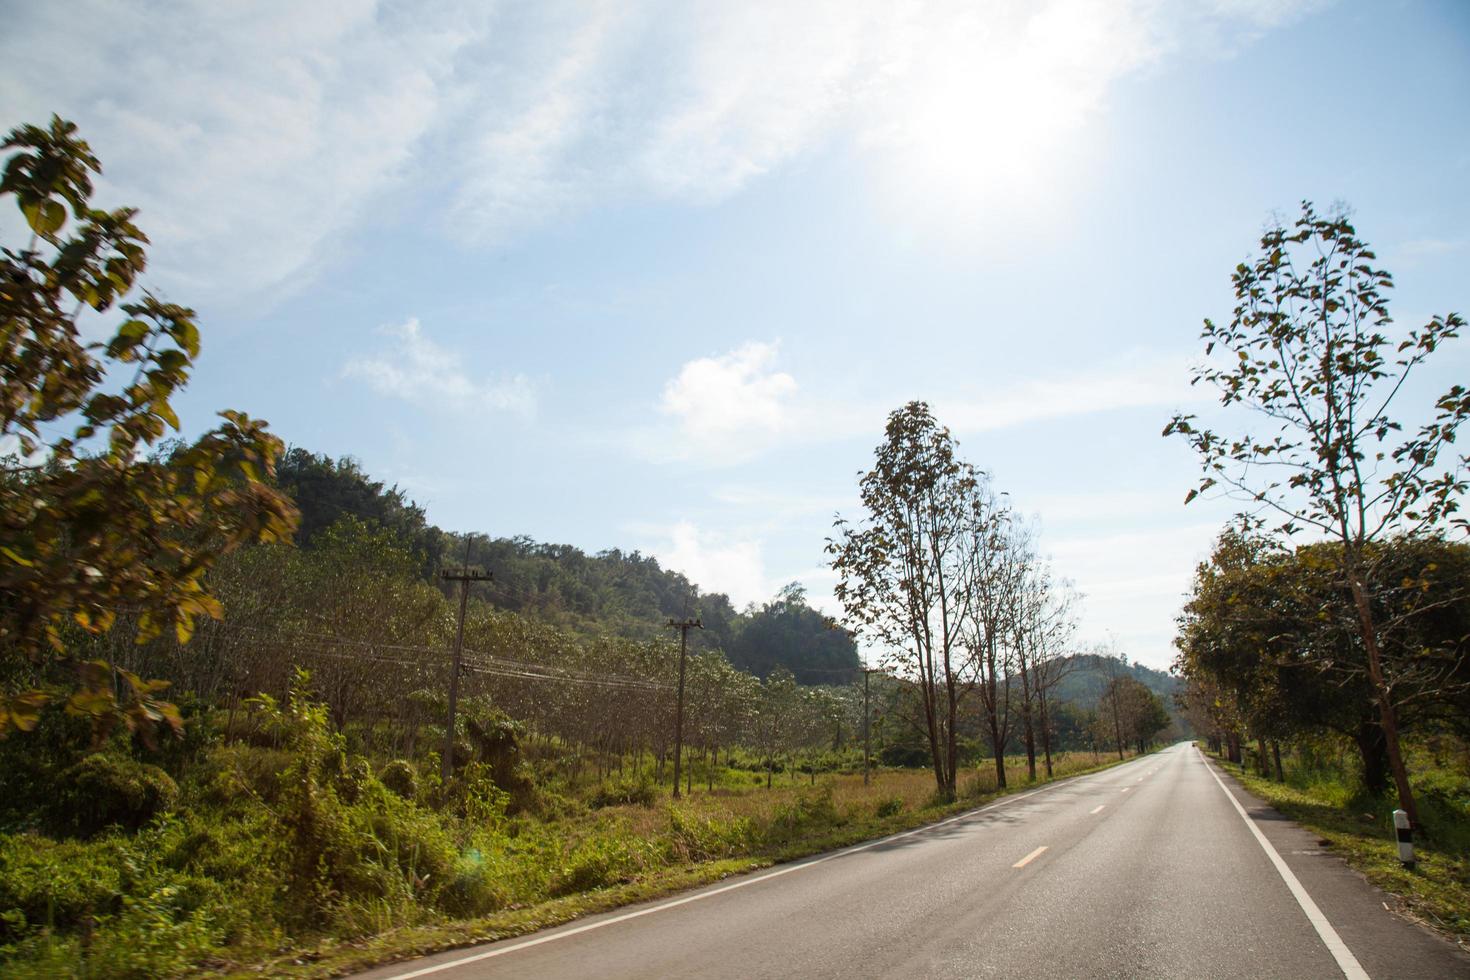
(1276, 755)
(1045, 735)
(999, 751)
(1371, 748)
(1028, 733)
(1386, 714)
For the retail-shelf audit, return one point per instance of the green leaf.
(44, 216)
(164, 411)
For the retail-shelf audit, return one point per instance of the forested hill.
(610, 592)
(1089, 674)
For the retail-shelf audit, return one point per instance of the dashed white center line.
(1098, 809)
(1127, 788)
(1030, 857)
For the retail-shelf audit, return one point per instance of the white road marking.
(1030, 857)
(1127, 788)
(1346, 962)
(742, 883)
(1098, 809)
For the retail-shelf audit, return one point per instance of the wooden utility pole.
(464, 577)
(683, 626)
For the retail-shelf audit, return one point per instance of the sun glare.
(991, 120)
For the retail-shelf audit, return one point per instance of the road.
(1147, 869)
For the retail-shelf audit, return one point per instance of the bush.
(400, 777)
(694, 838)
(602, 861)
(624, 792)
(232, 771)
(807, 812)
(890, 807)
(108, 790)
(57, 884)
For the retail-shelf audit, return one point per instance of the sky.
(652, 275)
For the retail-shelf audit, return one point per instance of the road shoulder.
(1373, 924)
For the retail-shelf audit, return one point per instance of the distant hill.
(1090, 674)
(610, 592)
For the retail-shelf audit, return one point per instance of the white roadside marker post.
(1405, 835)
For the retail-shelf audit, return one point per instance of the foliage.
(400, 777)
(1273, 632)
(1308, 349)
(624, 792)
(901, 571)
(92, 523)
(105, 790)
(786, 632)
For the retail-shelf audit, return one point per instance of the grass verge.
(335, 957)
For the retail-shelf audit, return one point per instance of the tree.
(1307, 349)
(98, 516)
(789, 633)
(903, 570)
(1272, 633)
(997, 562)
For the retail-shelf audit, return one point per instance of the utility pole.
(464, 577)
(683, 626)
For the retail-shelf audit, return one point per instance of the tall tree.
(903, 576)
(95, 516)
(1307, 348)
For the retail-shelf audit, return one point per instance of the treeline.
(1271, 648)
(942, 573)
(613, 592)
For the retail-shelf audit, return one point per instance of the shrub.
(232, 771)
(400, 777)
(805, 813)
(108, 790)
(601, 861)
(624, 792)
(57, 884)
(695, 838)
(890, 807)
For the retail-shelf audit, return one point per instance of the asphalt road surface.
(1155, 868)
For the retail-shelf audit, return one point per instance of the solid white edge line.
(588, 927)
(1346, 961)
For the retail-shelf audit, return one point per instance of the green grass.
(293, 855)
(845, 813)
(1358, 827)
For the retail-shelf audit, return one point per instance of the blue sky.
(650, 276)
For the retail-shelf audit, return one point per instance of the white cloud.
(421, 372)
(732, 404)
(716, 562)
(730, 408)
(1141, 380)
(249, 136)
(253, 137)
